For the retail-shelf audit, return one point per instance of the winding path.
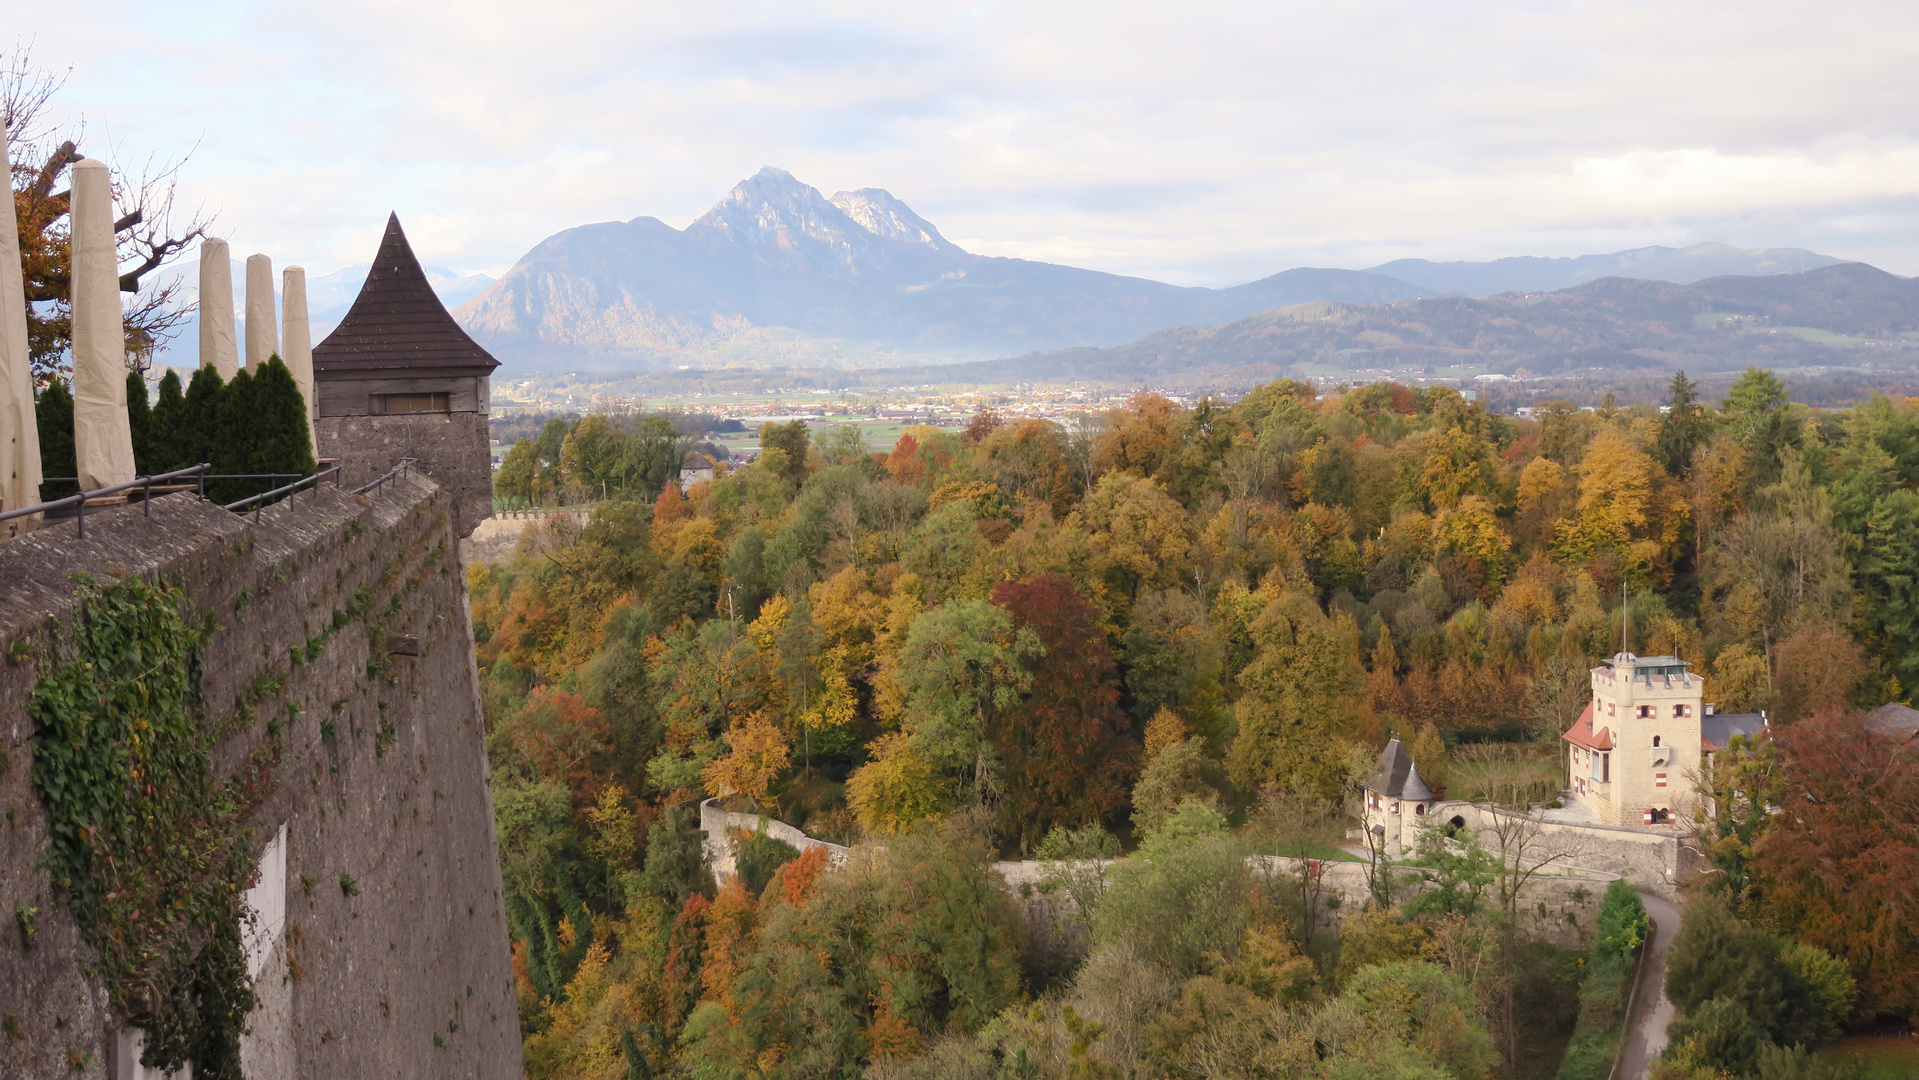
(1651, 1012)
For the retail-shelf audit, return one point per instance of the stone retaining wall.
(381, 783)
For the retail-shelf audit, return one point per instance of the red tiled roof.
(1581, 733)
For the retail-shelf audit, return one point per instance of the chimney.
(1710, 706)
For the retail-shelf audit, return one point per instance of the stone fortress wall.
(1658, 860)
(382, 783)
(1560, 905)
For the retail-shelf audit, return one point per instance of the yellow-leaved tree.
(1615, 504)
(1137, 533)
(1303, 692)
(756, 754)
(896, 788)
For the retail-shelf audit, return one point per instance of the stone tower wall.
(451, 447)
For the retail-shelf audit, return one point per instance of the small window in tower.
(1659, 779)
(1655, 740)
(1608, 708)
(387, 404)
(1647, 712)
(1682, 711)
(1605, 768)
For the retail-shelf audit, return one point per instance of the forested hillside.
(1182, 634)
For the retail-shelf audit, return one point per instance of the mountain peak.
(883, 215)
(772, 199)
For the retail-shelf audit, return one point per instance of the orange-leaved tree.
(1836, 864)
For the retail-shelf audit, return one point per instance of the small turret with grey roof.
(1395, 792)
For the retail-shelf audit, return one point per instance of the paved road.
(1651, 1012)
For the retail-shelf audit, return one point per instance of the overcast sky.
(1201, 143)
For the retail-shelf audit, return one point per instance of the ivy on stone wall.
(147, 848)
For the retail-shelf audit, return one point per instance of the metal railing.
(393, 475)
(259, 501)
(252, 504)
(144, 483)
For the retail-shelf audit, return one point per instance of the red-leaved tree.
(1067, 751)
(1836, 866)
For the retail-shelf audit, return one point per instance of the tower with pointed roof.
(398, 378)
(1636, 755)
(1397, 799)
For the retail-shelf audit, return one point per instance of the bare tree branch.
(147, 235)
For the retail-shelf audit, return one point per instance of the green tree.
(519, 471)
(1758, 414)
(791, 440)
(232, 441)
(1182, 899)
(1622, 925)
(1889, 582)
(1173, 660)
(591, 456)
(1784, 554)
(1745, 785)
(654, 454)
(942, 550)
(1716, 956)
(1429, 1010)
(1716, 1034)
(1302, 691)
(963, 664)
(675, 865)
(1684, 428)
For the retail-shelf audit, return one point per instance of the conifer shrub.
(169, 410)
(53, 414)
(277, 435)
(232, 442)
(140, 423)
(198, 418)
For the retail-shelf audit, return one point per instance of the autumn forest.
(1179, 635)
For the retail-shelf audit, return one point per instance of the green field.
(1885, 1057)
(879, 434)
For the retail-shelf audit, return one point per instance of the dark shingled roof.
(397, 325)
(1397, 777)
(1716, 731)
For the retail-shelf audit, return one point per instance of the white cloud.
(1203, 143)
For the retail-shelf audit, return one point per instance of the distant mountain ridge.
(776, 273)
(1531, 273)
(1846, 314)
